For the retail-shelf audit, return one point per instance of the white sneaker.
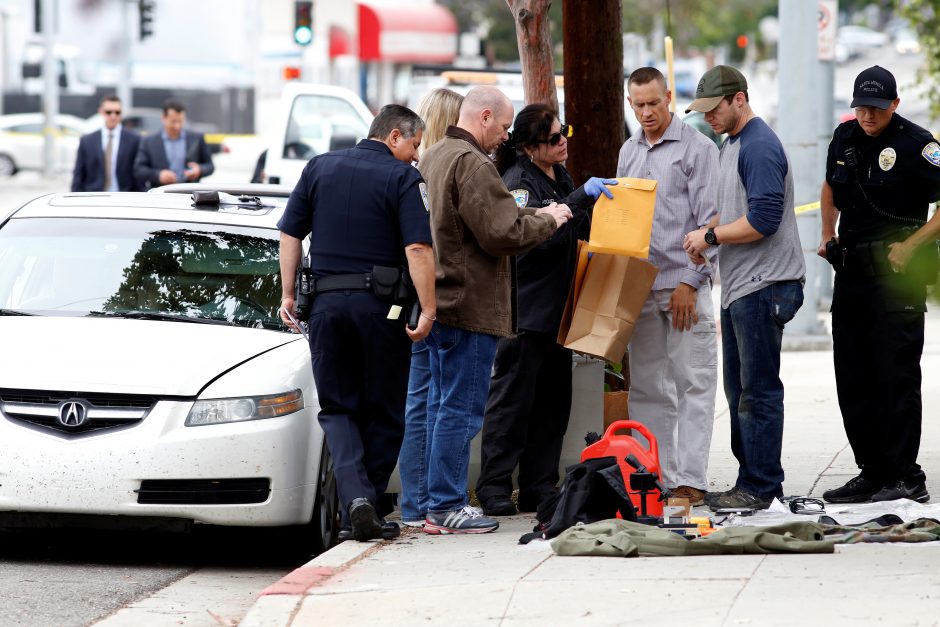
(464, 520)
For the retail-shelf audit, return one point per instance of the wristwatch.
(710, 237)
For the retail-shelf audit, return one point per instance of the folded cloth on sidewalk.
(920, 530)
(622, 538)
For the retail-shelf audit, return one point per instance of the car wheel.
(7, 165)
(326, 507)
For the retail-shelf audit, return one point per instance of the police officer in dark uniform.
(882, 172)
(366, 212)
(530, 392)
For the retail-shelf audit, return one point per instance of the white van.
(312, 119)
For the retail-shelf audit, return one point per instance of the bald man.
(476, 227)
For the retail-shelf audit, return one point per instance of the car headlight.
(223, 410)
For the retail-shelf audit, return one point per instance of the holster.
(393, 285)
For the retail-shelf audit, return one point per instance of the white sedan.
(22, 142)
(146, 373)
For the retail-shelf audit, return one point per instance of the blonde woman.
(439, 109)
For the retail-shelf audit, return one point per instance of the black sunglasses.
(553, 139)
(118, 112)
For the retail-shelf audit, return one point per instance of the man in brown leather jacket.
(476, 227)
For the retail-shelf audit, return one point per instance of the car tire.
(326, 513)
(7, 165)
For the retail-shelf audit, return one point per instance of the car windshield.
(178, 271)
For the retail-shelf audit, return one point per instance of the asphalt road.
(65, 578)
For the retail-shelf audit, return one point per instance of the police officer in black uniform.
(530, 392)
(882, 172)
(366, 212)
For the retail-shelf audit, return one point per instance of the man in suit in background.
(175, 155)
(105, 160)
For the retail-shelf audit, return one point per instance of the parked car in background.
(696, 120)
(147, 377)
(856, 40)
(906, 42)
(22, 142)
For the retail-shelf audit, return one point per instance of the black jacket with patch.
(544, 273)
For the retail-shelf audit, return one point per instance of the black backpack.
(592, 490)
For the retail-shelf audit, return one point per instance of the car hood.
(124, 356)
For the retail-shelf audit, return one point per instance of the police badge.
(931, 153)
(423, 188)
(887, 158)
(521, 196)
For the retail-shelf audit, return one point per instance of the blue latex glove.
(597, 186)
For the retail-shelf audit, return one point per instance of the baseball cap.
(874, 87)
(715, 84)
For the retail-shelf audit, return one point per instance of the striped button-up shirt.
(684, 164)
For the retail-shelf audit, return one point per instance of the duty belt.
(343, 282)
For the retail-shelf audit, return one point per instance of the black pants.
(526, 417)
(878, 338)
(360, 365)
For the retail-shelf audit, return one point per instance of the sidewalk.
(491, 580)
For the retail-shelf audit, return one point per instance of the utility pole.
(50, 95)
(828, 17)
(798, 64)
(534, 37)
(124, 85)
(593, 86)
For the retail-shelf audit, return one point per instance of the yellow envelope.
(622, 225)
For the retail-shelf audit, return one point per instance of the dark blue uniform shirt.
(896, 176)
(362, 206)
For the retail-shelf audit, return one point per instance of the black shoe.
(498, 506)
(738, 498)
(390, 531)
(856, 490)
(527, 503)
(366, 524)
(711, 496)
(903, 489)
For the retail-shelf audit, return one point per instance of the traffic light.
(303, 22)
(742, 41)
(146, 8)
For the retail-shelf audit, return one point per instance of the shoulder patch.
(423, 188)
(521, 196)
(931, 153)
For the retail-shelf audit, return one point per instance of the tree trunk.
(535, 50)
(593, 86)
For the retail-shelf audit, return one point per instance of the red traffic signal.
(742, 41)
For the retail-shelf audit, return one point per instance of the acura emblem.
(72, 414)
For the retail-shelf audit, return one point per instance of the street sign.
(828, 18)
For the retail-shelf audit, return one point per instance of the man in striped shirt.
(673, 351)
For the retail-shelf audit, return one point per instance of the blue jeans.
(413, 458)
(461, 362)
(752, 332)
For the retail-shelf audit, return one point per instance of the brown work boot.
(695, 496)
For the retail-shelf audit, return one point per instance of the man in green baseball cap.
(762, 275)
(715, 84)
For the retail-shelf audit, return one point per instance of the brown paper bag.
(616, 407)
(573, 291)
(611, 299)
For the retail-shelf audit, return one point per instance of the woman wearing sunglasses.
(530, 392)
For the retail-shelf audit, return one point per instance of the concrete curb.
(277, 604)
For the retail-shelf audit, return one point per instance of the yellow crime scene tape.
(807, 207)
